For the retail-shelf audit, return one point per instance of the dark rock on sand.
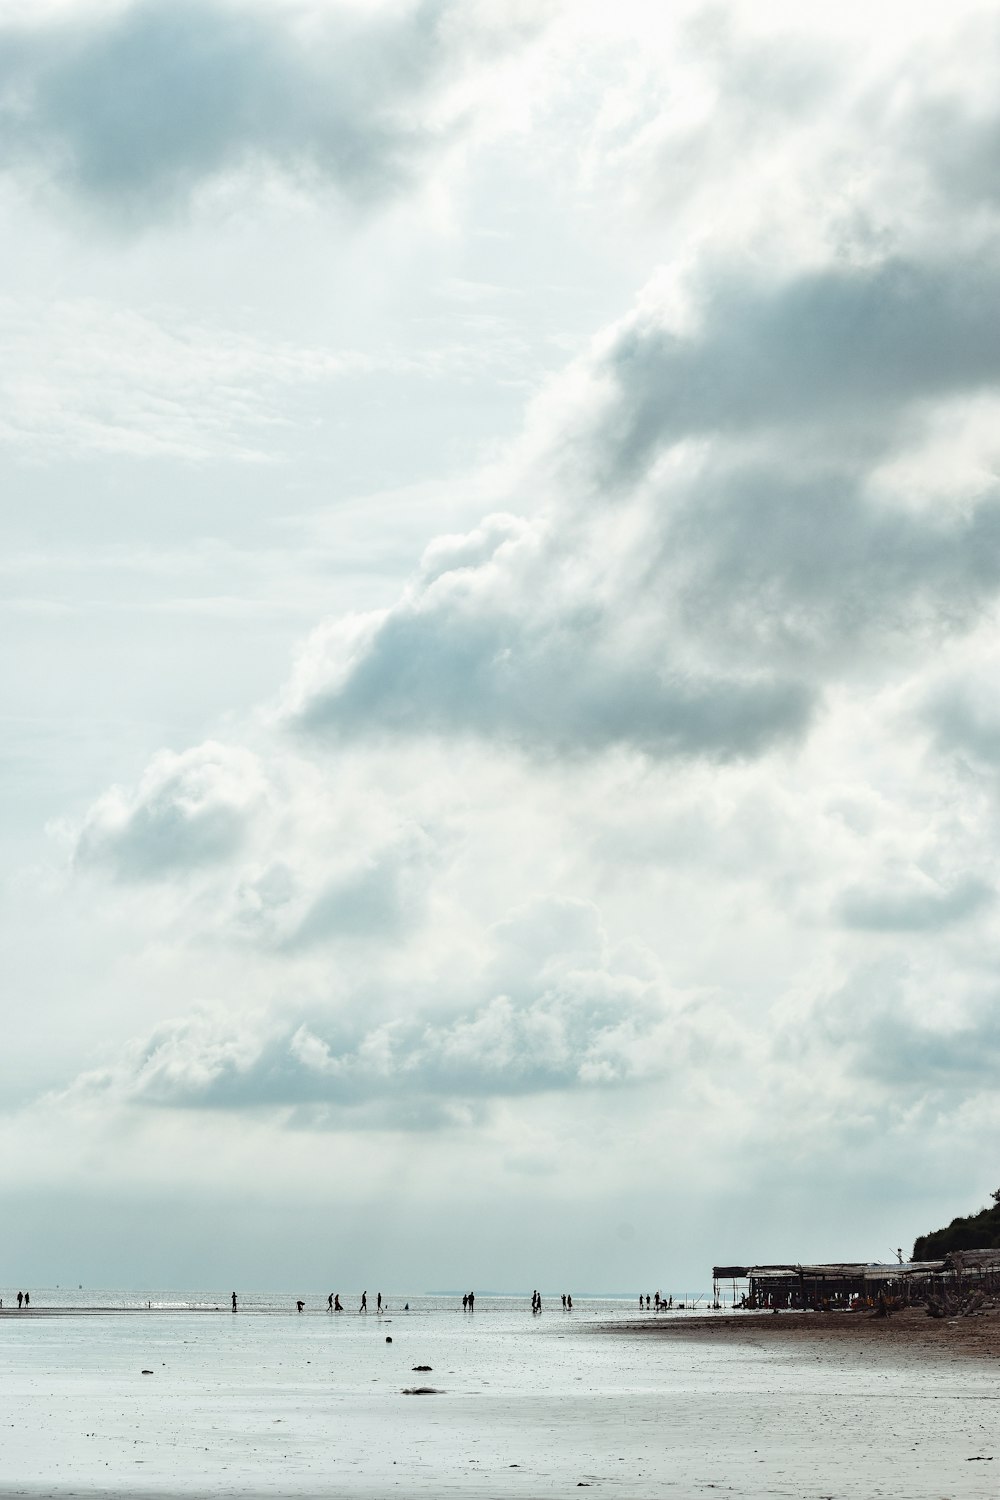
(422, 1390)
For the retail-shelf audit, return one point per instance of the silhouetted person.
(378, 1305)
(234, 1302)
(569, 1302)
(564, 1301)
(329, 1303)
(472, 1301)
(647, 1301)
(27, 1298)
(20, 1299)
(300, 1305)
(336, 1303)
(364, 1302)
(465, 1301)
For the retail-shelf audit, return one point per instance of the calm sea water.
(423, 1305)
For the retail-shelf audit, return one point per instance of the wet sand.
(910, 1333)
(792, 1407)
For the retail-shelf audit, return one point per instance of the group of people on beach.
(536, 1301)
(333, 1303)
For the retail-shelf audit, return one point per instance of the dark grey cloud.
(964, 720)
(908, 909)
(565, 686)
(491, 644)
(919, 1058)
(947, 128)
(135, 107)
(842, 348)
(812, 565)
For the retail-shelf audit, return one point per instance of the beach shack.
(855, 1283)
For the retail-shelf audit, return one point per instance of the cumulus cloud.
(719, 541)
(825, 350)
(188, 810)
(136, 106)
(514, 639)
(573, 1014)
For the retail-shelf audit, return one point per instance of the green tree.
(976, 1232)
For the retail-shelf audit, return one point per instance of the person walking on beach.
(378, 1307)
(364, 1302)
(569, 1302)
(234, 1302)
(20, 1299)
(465, 1301)
(472, 1301)
(336, 1302)
(27, 1298)
(329, 1303)
(300, 1305)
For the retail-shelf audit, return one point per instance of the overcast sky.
(500, 582)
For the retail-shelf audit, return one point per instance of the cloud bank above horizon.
(628, 802)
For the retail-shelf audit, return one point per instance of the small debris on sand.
(421, 1368)
(422, 1390)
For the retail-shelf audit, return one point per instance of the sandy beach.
(270, 1403)
(910, 1333)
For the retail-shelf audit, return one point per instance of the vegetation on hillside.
(976, 1232)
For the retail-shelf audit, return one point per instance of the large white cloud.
(550, 1008)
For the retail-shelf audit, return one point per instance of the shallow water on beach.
(268, 1402)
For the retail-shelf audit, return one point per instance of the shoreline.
(910, 1330)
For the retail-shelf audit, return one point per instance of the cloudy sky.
(500, 585)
